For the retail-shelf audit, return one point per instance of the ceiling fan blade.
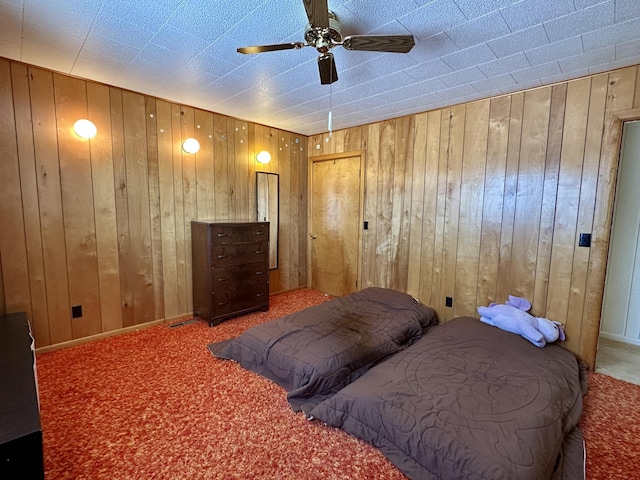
(379, 43)
(271, 48)
(317, 12)
(327, 67)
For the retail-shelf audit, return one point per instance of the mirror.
(267, 201)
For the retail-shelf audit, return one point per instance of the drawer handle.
(258, 252)
(222, 303)
(259, 232)
(222, 235)
(259, 273)
(259, 294)
(223, 256)
(223, 279)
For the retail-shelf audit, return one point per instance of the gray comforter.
(469, 401)
(315, 352)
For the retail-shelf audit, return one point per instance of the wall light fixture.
(85, 128)
(263, 157)
(191, 145)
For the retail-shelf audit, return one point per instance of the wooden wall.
(486, 199)
(106, 223)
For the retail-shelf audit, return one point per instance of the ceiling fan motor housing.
(323, 39)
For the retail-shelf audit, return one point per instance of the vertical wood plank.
(549, 196)
(300, 157)
(316, 143)
(205, 180)
(45, 144)
(189, 195)
(12, 234)
(568, 198)
(273, 149)
(285, 189)
(353, 139)
(622, 85)
(452, 206)
(401, 203)
(30, 204)
(104, 203)
(438, 288)
(179, 205)
(416, 207)
(221, 170)
(494, 185)
(77, 204)
(138, 204)
(164, 126)
(535, 127)
(231, 168)
(509, 202)
(372, 165)
(241, 149)
(385, 204)
(470, 220)
(429, 291)
(154, 206)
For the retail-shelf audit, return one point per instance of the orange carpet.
(155, 404)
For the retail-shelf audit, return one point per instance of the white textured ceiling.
(185, 51)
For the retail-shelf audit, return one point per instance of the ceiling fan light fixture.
(324, 32)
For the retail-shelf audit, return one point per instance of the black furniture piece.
(20, 432)
(230, 264)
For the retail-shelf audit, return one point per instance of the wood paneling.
(14, 253)
(77, 203)
(45, 146)
(105, 223)
(491, 197)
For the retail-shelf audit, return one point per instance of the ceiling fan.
(324, 32)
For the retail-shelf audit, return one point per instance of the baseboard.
(286, 291)
(134, 328)
(620, 338)
(112, 333)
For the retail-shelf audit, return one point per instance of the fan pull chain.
(330, 119)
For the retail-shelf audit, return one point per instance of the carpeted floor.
(156, 405)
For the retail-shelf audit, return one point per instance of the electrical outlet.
(585, 240)
(448, 301)
(76, 311)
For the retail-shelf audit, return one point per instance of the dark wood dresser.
(20, 433)
(230, 263)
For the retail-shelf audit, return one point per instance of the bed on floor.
(457, 400)
(470, 401)
(316, 352)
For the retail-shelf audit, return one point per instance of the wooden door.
(336, 213)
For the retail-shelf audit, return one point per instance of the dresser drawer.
(240, 299)
(256, 232)
(226, 278)
(238, 253)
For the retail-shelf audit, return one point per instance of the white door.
(621, 302)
